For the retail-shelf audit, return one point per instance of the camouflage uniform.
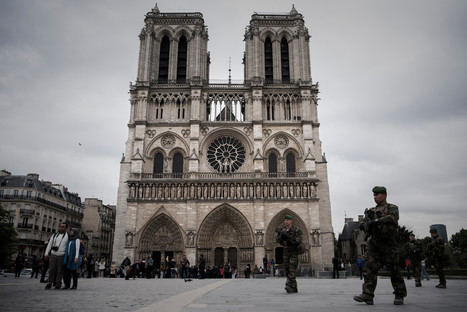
(382, 249)
(290, 239)
(437, 258)
(414, 250)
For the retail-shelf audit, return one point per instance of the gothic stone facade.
(211, 169)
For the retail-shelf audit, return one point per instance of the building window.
(272, 164)
(268, 69)
(29, 194)
(180, 109)
(159, 109)
(15, 193)
(285, 61)
(177, 165)
(158, 165)
(164, 60)
(1, 193)
(226, 154)
(181, 60)
(290, 163)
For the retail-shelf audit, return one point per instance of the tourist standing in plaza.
(437, 256)
(72, 260)
(360, 265)
(101, 267)
(381, 224)
(290, 237)
(54, 253)
(415, 254)
(202, 267)
(335, 267)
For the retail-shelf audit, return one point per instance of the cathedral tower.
(211, 169)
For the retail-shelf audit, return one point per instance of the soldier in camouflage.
(380, 224)
(437, 256)
(290, 237)
(415, 253)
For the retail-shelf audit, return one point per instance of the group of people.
(64, 255)
(381, 224)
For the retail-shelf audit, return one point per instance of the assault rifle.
(371, 219)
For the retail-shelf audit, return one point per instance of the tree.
(458, 243)
(8, 235)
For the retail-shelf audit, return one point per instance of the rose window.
(226, 154)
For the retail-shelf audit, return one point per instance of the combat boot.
(364, 298)
(441, 286)
(290, 290)
(418, 284)
(399, 300)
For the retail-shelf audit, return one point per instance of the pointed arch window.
(180, 109)
(269, 110)
(177, 165)
(268, 69)
(159, 109)
(290, 163)
(272, 164)
(164, 60)
(158, 165)
(285, 61)
(181, 60)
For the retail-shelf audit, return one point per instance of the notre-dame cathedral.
(211, 169)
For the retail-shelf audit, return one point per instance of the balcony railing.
(27, 211)
(210, 176)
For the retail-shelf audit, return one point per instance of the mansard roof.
(349, 228)
(32, 181)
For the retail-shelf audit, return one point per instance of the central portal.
(225, 236)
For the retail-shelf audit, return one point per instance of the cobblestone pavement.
(171, 295)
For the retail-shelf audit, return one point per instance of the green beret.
(288, 217)
(412, 234)
(379, 190)
(433, 230)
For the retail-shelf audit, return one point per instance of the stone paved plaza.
(268, 294)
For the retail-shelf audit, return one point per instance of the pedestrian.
(72, 259)
(335, 267)
(55, 253)
(360, 265)
(415, 254)
(380, 224)
(290, 238)
(126, 267)
(149, 267)
(407, 267)
(185, 265)
(437, 256)
(202, 267)
(45, 267)
(91, 266)
(101, 267)
(272, 268)
(247, 271)
(265, 264)
(19, 265)
(96, 267)
(424, 273)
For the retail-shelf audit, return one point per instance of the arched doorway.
(274, 249)
(225, 235)
(161, 237)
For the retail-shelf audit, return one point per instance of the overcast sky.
(392, 77)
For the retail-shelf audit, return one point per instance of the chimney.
(33, 176)
(4, 172)
(347, 220)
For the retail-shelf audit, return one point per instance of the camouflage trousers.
(438, 263)
(380, 253)
(290, 268)
(416, 266)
